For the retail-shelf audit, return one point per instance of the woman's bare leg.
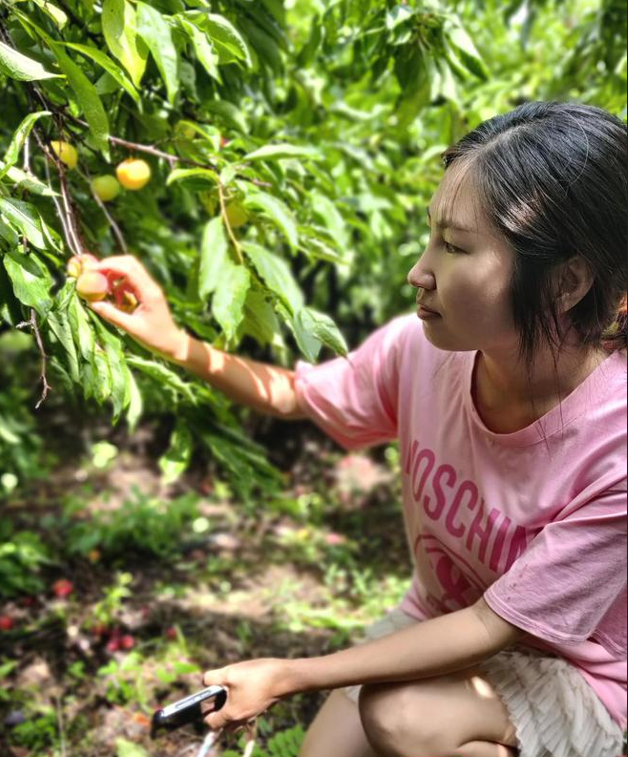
(337, 731)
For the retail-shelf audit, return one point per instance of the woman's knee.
(394, 721)
(385, 714)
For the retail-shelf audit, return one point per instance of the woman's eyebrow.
(447, 223)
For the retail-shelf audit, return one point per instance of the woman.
(508, 397)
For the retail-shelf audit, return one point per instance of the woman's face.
(464, 275)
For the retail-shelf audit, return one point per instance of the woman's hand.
(151, 322)
(253, 687)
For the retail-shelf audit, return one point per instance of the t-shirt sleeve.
(355, 399)
(570, 584)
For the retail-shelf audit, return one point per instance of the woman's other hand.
(253, 687)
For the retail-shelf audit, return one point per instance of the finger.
(218, 721)
(213, 678)
(133, 271)
(111, 313)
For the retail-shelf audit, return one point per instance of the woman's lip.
(426, 309)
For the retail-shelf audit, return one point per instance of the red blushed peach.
(92, 286)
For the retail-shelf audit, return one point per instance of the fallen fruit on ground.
(127, 642)
(80, 263)
(106, 188)
(66, 153)
(92, 286)
(133, 174)
(63, 588)
(6, 623)
(237, 215)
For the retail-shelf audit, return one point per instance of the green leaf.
(22, 68)
(31, 281)
(117, 366)
(26, 219)
(205, 51)
(263, 44)
(329, 214)
(234, 117)
(81, 328)
(56, 14)
(19, 138)
(197, 179)
(468, 52)
(179, 455)
(88, 99)
(60, 327)
(103, 60)
(101, 379)
(278, 212)
(29, 183)
(163, 375)
(311, 326)
(276, 274)
(126, 748)
(135, 402)
(227, 40)
(399, 15)
(261, 321)
(119, 24)
(230, 297)
(157, 34)
(280, 152)
(214, 256)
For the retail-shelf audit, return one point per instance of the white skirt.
(555, 711)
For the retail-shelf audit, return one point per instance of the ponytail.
(615, 338)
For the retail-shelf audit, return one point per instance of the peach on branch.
(133, 174)
(66, 153)
(106, 188)
(92, 286)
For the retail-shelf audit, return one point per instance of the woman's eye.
(452, 248)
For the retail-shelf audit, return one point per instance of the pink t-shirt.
(534, 521)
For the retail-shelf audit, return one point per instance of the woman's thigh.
(337, 731)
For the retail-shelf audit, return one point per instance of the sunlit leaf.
(157, 34)
(119, 23)
(21, 67)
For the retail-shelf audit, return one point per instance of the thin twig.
(151, 150)
(65, 193)
(60, 212)
(27, 155)
(252, 739)
(111, 220)
(61, 727)
(210, 740)
(32, 324)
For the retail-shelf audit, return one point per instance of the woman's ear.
(575, 279)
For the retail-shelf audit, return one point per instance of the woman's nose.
(420, 278)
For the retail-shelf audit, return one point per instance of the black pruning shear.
(187, 711)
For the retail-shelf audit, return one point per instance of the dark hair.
(552, 179)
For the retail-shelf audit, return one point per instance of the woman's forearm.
(265, 388)
(432, 648)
